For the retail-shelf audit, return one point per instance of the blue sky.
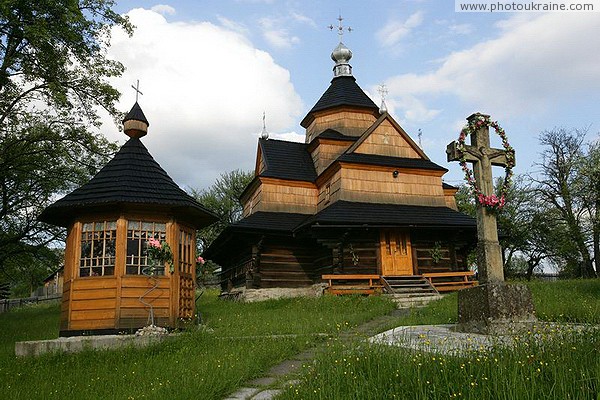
(209, 69)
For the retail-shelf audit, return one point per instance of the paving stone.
(267, 394)
(265, 381)
(243, 394)
(286, 367)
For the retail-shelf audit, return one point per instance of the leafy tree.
(53, 81)
(559, 186)
(223, 199)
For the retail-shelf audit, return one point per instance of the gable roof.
(343, 91)
(287, 160)
(131, 177)
(385, 116)
(345, 213)
(388, 161)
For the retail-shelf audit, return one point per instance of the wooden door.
(396, 253)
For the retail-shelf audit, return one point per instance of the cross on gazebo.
(483, 156)
(137, 90)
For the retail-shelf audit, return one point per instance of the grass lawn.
(197, 365)
(212, 363)
(557, 364)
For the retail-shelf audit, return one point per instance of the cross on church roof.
(340, 28)
(137, 90)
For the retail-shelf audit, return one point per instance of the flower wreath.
(493, 201)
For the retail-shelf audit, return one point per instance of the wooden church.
(109, 283)
(358, 198)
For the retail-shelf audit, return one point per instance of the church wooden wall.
(386, 141)
(377, 185)
(282, 196)
(449, 196)
(326, 153)
(349, 122)
(367, 252)
(335, 187)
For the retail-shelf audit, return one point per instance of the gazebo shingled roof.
(131, 177)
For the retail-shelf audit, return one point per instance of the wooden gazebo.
(109, 220)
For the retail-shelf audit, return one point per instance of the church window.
(327, 193)
(186, 254)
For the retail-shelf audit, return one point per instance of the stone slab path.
(285, 374)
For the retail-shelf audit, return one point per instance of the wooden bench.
(444, 282)
(353, 284)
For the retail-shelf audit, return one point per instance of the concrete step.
(403, 302)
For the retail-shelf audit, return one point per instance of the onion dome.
(341, 55)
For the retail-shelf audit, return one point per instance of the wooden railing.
(450, 281)
(353, 284)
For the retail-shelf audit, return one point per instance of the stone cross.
(483, 156)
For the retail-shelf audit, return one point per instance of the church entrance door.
(396, 253)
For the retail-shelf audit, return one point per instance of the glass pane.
(132, 247)
(83, 272)
(159, 227)
(147, 226)
(88, 227)
(109, 270)
(86, 249)
(134, 225)
(99, 226)
(111, 226)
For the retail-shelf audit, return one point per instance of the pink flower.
(200, 260)
(154, 243)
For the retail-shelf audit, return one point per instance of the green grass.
(559, 364)
(205, 364)
(238, 346)
(563, 366)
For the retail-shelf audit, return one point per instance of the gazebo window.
(186, 263)
(98, 241)
(138, 233)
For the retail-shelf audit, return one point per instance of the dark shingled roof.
(270, 221)
(287, 160)
(278, 223)
(386, 161)
(343, 91)
(335, 135)
(447, 186)
(131, 177)
(347, 213)
(136, 113)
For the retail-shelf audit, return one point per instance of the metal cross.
(340, 28)
(383, 91)
(137, 90)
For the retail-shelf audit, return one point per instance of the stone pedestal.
(495, 309)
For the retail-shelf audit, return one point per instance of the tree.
(53, 80)
(559, 186)
(223, 199)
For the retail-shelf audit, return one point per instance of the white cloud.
(205, 89)
(394, 31)
(461, 29)
(275, 34)
(233, 25)
(301, 18)
(533, 62)
(163, 9)
(289, 136)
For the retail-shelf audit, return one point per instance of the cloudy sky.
(208, 70)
